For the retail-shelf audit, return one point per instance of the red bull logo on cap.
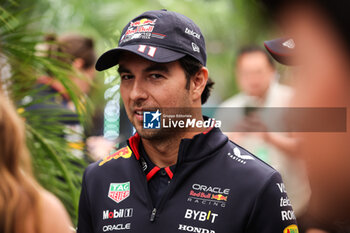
(140, 29)
(143, 21)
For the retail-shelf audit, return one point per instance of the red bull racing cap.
(160, 36)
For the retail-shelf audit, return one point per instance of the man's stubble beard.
(165, 134)
(157, 134)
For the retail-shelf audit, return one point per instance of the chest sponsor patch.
(208, 195)
(194, 229)
(201, 216)
(119, 191)
(121, 213)
(117, 227)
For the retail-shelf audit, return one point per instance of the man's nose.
(139, 90)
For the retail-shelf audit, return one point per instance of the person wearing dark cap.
(179, 179)
(317, 43)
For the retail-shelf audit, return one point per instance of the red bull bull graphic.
(125, 152)
(219, 197)
(143, 21)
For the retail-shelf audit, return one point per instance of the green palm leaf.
(56, 168)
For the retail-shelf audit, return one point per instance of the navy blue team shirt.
(215, 187)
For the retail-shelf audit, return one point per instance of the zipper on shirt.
(170, 189)
(153, 214)
(158, 207)
(166, 194)
(145, 184)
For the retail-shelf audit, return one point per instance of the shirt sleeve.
(272, 211)
(84, 215)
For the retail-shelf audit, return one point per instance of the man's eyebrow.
(122, 69)
(157, 67)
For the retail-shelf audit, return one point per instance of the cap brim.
(281, 51)
(160, 55)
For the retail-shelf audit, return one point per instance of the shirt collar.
(149, 168)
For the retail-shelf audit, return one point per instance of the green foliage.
(56, 168)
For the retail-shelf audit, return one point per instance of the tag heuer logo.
(119, 191)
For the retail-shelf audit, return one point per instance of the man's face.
(254, 74)
(146, 85)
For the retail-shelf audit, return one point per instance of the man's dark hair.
(191, 67)
(253, 49)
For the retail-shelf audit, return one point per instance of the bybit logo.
(201, 215)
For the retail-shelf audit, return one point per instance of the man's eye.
(126, 76)
(156, 76)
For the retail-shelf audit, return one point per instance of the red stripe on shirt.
(152, 173)
(169, 172)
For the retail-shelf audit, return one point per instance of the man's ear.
(198, 83)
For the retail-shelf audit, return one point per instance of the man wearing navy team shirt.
(176, 180)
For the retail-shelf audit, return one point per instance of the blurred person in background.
(75, 50)
(318, 42)
(257, 79)
(24, 205)
(79, 52)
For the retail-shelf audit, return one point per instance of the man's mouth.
(139, 114)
